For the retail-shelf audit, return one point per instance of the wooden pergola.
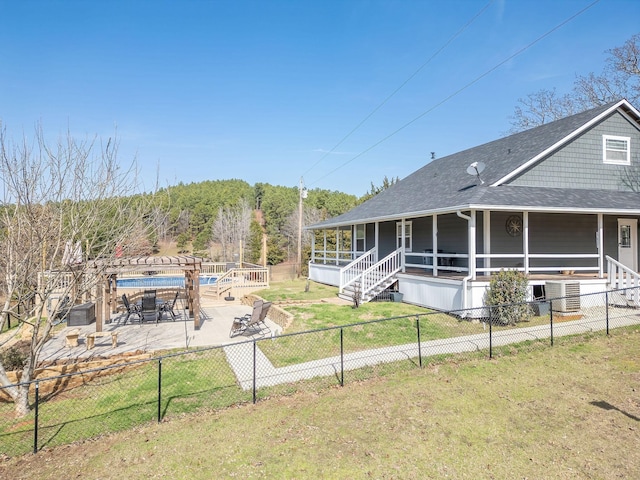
(107, 302)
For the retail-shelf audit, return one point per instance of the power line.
(437, 52)
(461, 89)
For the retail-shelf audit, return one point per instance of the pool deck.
(136, 337)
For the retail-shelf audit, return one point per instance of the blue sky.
(264, 90)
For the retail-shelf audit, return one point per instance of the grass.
(124, 400)
(297, 290)
(568, 412)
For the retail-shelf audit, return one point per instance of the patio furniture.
(167, 307)
(63, 310)
(264, 328)
(72, 338)
(150, 307)
(91, 338)
(132, 309)
(240, 324)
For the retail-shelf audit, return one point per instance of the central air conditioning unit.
(565, 295)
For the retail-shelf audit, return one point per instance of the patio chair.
(132, 309)
(150, 306)
(240, 324)
(261, 323)
(167, 307)
(62, 311)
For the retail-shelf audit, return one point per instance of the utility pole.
(302, 194)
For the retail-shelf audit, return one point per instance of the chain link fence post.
(551, 321)
(419, 346)
(254, 372)
(35, 421)
(341, 357)
(159, 388)
(606, 309)
(490, 332)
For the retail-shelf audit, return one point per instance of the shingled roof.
(443, 185)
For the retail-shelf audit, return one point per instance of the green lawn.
(123, 400)
(567, 412)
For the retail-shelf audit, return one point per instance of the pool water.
(153, 281)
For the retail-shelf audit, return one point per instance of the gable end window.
(616, 150)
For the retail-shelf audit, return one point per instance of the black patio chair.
(167, 307)
(132, 309)
(150, 306)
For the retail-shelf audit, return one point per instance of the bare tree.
(310, 216)
(231, 228)
(61, 206)
(620, 78)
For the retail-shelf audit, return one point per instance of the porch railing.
(458, 262)
(380, 272)
(621, 276)
(351, 272)
(336, 257)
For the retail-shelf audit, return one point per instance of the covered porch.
(445, 260)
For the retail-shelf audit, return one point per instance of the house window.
(407, 235)
(616, 150)
(359, 238)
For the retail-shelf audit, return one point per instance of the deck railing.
(381, 272)
(352, 272)
(336, 257)
(621, 276)
(458, 262)
(242, 278)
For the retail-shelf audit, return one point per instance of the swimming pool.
(153, 281)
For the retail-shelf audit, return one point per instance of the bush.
(507, 295)
(15, 357)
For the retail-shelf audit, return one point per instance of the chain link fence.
(94, 401)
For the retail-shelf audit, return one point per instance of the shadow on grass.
(607, 406)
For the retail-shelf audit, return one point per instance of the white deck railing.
(449, 262)
(620, 276)
(381, 272)
(352, 272)
(242, 278)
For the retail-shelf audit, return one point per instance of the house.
(554, 201)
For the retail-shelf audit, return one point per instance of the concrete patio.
(216, 320)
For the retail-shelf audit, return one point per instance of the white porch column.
(486, 239)
(472, 245)
(434, 242)
(353, 242)
(377, 239)
(402, 244)
(338, 246)
(324, 249)
(600, 245)
(525, 240)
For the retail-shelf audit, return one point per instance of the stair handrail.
(381, 271)
(620, 276)
(351, 272)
